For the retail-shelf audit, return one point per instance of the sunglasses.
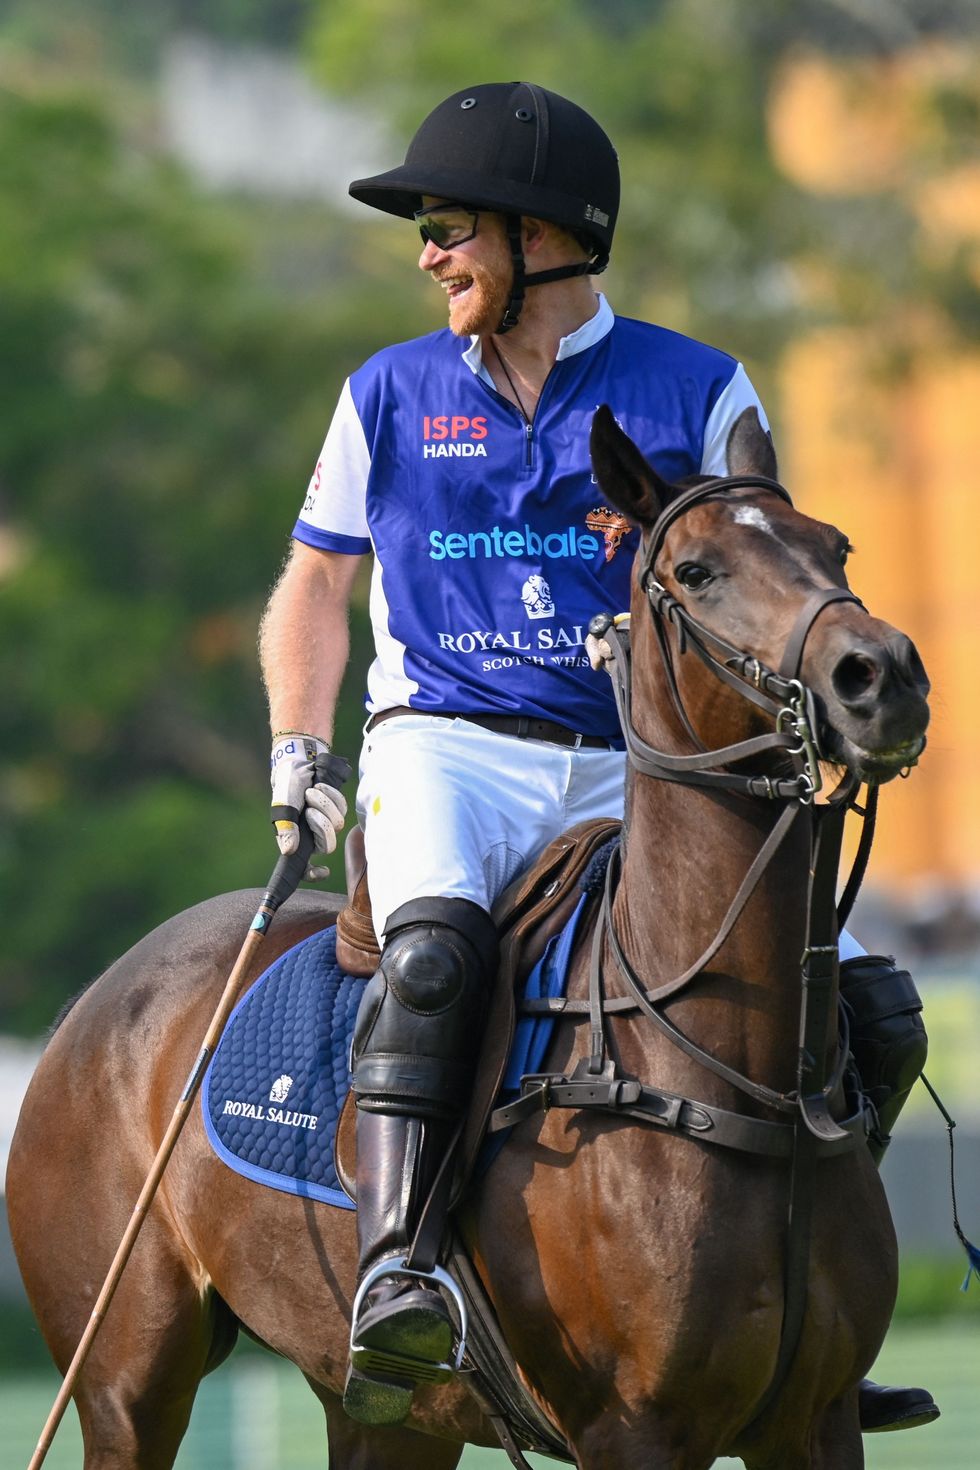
(446, 225)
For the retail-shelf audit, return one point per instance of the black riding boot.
(416, 1042)
(402, 1324)
(881, 1408)
(888, 1046)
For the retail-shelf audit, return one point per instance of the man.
(461, 460)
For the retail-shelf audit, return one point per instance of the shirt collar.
(587, 335)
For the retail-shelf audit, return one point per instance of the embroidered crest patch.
(612, 524)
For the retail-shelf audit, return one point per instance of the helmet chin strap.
(512, 312)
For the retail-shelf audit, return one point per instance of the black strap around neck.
(512, 311)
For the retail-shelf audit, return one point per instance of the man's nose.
(431, 256)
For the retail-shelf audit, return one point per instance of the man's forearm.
(304, 641)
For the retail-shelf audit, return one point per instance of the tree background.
(170, 356)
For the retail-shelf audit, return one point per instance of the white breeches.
(455, 811)
(451, 810)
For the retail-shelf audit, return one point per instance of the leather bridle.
(780, 693)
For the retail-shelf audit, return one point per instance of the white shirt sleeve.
(737, 396)
(334, 514)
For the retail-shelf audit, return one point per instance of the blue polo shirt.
(493, 544)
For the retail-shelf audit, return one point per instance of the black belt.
(519, 726)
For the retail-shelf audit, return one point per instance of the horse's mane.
(68, 1005)
(593, 880)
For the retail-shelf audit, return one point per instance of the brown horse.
(637, 1273)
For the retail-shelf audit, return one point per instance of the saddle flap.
(533, 909)
(345, 1147)
(536, 906)
(532, 881)
(357, 943)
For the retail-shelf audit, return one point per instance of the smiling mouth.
(455, 286)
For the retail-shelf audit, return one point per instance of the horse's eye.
(693, 577)
(845, 552)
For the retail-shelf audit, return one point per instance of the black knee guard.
(420, 1023)
(888, 1038)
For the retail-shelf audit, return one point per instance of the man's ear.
(749, 450)
(625, 478)
(534, 233)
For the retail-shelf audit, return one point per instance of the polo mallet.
(286, 876)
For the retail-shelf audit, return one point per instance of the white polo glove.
(300, 789)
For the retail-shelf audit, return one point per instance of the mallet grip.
(291, 868)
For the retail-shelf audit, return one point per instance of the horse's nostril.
(855, 677)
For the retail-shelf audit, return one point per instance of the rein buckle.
(537, 1085)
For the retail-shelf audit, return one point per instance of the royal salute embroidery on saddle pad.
(275, 1087)
(274, 1090)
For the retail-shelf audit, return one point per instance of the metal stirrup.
(397, 1266)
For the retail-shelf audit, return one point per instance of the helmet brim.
(400, 192)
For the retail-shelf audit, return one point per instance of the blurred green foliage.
(929, 1286)
(169, 361)
(710, 230)
(126, 36)
(164, 399)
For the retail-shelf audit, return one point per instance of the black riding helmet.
(519, 150)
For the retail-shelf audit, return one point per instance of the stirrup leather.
(375, 1362)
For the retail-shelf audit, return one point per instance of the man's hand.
(303, 777)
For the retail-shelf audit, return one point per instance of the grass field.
(258, 1414)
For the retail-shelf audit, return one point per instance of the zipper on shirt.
(528, 432)
(528, 423)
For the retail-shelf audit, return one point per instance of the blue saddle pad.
(275, 1087)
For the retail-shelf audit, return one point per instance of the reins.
(808, 1130)
(780, 694)
(783, 696)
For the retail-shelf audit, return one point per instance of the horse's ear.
(749, 450)
(625, 478)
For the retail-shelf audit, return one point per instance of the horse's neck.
(687, 851)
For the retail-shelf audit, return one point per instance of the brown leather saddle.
(528, 913)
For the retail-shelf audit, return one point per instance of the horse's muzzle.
(875, 706)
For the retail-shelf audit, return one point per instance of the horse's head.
(753, 572)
